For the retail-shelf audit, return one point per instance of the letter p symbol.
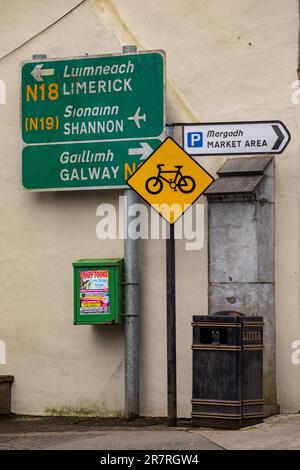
(195, 139)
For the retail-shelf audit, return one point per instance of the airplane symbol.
(137, 118)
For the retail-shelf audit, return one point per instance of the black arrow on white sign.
(280, 136)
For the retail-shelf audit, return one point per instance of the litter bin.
(227, 370)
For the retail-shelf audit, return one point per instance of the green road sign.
(84, 165)
(112, 103)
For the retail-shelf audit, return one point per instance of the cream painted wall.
(226, 60)
(22, 20)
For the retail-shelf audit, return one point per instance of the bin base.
(224, 423)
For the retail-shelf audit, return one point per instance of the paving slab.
(109, 439)
(281, 432)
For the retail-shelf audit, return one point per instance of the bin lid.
(227, 316)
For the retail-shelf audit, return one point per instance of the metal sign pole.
(131, 296)
(171, 319)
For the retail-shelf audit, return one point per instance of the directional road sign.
(83, 117)
(84, 165)
(235, 138)
(170, 180)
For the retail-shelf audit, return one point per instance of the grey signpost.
(131, 305)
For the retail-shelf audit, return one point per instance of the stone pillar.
(241, 233)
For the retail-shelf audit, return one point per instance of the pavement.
(281, 432)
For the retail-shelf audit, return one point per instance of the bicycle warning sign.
(170, 180)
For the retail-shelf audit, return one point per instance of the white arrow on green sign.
(110, 110)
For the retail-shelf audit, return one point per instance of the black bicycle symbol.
(185, 184)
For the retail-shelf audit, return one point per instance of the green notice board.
(98, 291)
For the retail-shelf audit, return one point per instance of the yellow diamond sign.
(170, 180)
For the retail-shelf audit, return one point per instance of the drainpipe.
(131, 296)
